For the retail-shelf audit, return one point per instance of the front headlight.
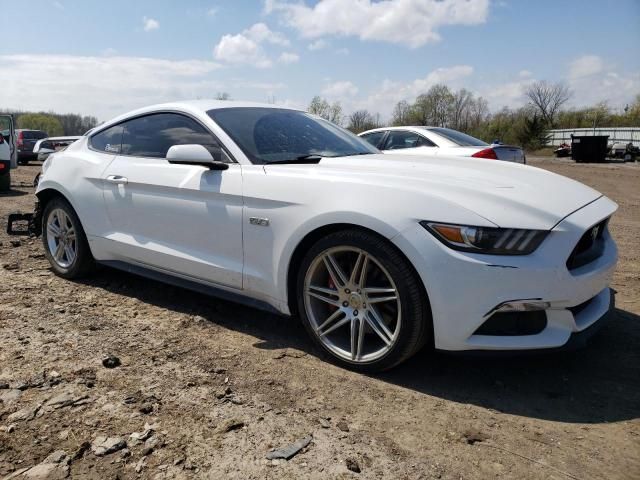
(488, 240)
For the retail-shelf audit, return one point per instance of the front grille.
(589, 247)
(508, 324)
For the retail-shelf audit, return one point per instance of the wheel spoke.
(363, 272)
(323, 294)
(388, 298)
(356, 267)
(370, 290)
(377, 325)
(357, 338)
(59, 251)
(69, 253)
(332, 321)
(53, 229)
(335, 272)
(64, 220)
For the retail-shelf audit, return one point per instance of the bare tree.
(362, 120)
(223, 96)
(332, 112)
(402, 114)
(547, 98)
(434, 107)
(462, 100)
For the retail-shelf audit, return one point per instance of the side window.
(153, 135)
(399, 139)
(108, 141)
(374, 138)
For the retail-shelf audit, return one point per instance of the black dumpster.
(589, 149)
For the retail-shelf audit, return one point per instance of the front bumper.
(464, 288)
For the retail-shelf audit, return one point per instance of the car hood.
(506, 194)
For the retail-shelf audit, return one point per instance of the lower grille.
(510, 324)
(589, 247)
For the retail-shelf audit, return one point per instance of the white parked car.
(45, 147)
(378, 254)
(439, 141)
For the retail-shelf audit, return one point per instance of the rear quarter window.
(108, 141)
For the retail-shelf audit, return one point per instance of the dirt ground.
(209, 388)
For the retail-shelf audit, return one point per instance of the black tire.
(83, 262)
(5, 182)
(416, 327)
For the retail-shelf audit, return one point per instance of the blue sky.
(104, 58)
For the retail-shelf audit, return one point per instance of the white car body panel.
(447, 148)
(194, 223)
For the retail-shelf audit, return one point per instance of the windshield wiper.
(309, 158)
(359, 153)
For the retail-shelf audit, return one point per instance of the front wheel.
(362, 302)
(64, 240)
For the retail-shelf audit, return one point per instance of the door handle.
(117, 179)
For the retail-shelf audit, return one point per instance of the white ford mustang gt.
(377, 254)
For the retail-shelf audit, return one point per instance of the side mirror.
(194, 155)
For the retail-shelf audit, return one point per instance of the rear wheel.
(5, 182)
(361, 301)
(64, 240)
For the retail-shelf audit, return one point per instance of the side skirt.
(190, 285)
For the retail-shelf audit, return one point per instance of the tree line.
(461, 110)
(53, 124)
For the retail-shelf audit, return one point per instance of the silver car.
(439, 141)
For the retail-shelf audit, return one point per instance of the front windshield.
(459, 138)
(268, 135)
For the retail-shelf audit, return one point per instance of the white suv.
(7, 151)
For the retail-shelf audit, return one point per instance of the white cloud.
(212, 12)
(288, 57)
(616, 89)
(259, 33)
(340, 89)
(101, 86)
(109, 52)
(385, 96)
(524, 73)
(150, 24)
(246, 47)
(409, 22)
(506, 94)
(317, 45)
(585, 66)
(342, 51)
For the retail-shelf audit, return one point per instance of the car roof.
(403, 127)
(187, 106)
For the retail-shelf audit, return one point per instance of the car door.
(8, 133)
(408, 142)
(177, 218)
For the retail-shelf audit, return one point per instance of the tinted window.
(153, 135)
(279, 135)
(399, 139)
(459, 138)
(374, 138)
(108, 140)
(33, 135)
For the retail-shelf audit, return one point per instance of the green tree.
(40, 121)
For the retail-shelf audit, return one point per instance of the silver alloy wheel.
(352, 304)
(61, 238)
